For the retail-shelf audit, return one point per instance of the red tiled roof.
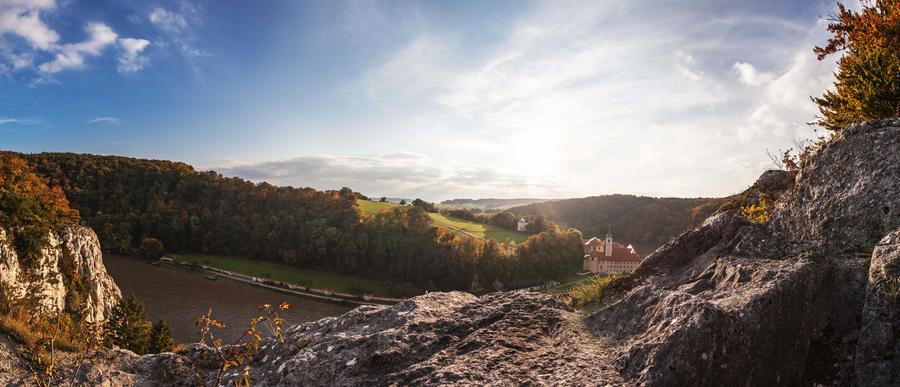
(619, 254)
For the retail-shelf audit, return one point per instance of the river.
(179, 296)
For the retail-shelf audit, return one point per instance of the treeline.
(634, 219)
(126, 200)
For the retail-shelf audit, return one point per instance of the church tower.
(609, 242)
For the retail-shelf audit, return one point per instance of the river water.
(179, 296)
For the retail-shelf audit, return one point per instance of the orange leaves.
(868, 80)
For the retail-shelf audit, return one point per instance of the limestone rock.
(44, 284)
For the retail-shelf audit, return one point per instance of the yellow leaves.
(241, 351)
(759, 212)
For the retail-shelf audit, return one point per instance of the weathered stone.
(878, 351)
(848, 195)
(44, 285)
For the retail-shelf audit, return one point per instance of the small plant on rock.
(891, 289)
(590, 292)
(240, 353)
(759, 212)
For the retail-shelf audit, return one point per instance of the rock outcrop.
(878, 352)
(786, 302)
(74, 251)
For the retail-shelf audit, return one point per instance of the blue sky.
(436, 99)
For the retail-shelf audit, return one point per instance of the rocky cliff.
(72, 256)
(787, 302)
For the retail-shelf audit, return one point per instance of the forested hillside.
(634, 219)
(125, 200)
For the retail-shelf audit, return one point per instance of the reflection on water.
(180, 296)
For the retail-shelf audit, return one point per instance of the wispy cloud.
(104, 120)
(8, 120)
(179, 27)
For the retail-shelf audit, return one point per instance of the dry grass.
(590, 293)
(891, 289)
(29, 333)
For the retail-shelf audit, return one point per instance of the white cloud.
(401, 174)
(104, 120)
(748, 74)
(130, 60)
(22, 18)
(71, 56)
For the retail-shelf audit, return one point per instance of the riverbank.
(305, 283)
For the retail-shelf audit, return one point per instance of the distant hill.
(634, 219)
(486, 204)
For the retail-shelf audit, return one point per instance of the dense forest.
(126, 200)
(633, 219)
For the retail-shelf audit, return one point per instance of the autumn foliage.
(29, 209)
(867, 84)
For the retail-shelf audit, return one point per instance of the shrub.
(357, 290)
(759, 212)
(151, 249)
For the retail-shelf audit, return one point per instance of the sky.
(431, 99)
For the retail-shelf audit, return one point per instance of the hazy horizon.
(502, 99)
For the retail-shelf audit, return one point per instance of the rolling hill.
(457, 226)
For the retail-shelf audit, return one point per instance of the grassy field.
(457, 226)
(371, 208)
(314, 278)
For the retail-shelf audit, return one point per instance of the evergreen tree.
(128, 326)
(161, 337)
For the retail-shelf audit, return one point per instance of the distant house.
(522, 225)
(609, 257)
